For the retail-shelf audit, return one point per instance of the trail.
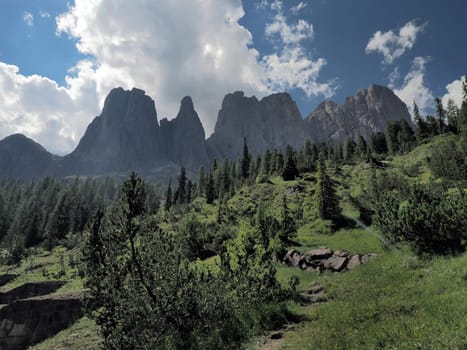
(368, 229)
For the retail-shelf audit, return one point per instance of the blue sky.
(58, 60)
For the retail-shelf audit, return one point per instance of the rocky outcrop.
(124, 137)
(21, 157)
(366, 113)
(322, 259)
(273, 122)
(7, 278)
(28, 290)
(184, 138)
(127, 136)
(28, 321)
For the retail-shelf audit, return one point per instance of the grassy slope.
(394, 302)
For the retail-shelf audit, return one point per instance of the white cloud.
(394, 77)
(297, 8)
(393, 45)
(454, 92)
(291, 67)
(36, 106)
(44, 14)
(414, 88)
(28, 18)
(168, 48)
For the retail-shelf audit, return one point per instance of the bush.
(433, 221)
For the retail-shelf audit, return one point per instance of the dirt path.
(314, 294)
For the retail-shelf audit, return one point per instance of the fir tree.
(326, 197)
(290, 171)
(210, 190)
(168, 196)
(245, 161)
(181, 193)
(440, 115)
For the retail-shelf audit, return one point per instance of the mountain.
(20, 157)
(127, 136)
(363, 114)
(273, 122)
(184, 138)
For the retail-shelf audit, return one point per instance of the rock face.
(273, 122)
(184, 138)
(127, 136)
(124, 137)
(322, 259)
(28, 290)
(28, 321)
(21, 157)
(363, 114)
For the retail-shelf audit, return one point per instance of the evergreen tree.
(290, 171)
(181, 193)
(452, 113)
(210, 190)
(406, 136)
(348, 150)
(201, 182)
(288, 226)
(326, 196)
(440, 115)
(462, 121)
(378, 143)
(361, 148)
(245, 161)
(421, 127)
(266, 163)
(168, 196)
(308, 155)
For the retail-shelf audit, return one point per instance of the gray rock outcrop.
(361, 115)
(273, 122)
(184, 138)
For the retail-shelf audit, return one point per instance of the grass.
(394, 302)
(83, 335)
(46, 266)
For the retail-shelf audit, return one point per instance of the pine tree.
(181, 193)
(421, 128)
(210, 191)
(440, 115)
(326, 197)
(245, 161)
(168, 196)
(406, 136)
(361, 148)
(452, 113)
(290, 171)
(348, 149)
(378, 143)
(266, 163)
(288, 225)
(201, 182)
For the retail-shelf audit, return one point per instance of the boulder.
(354, 261)
(319, 254)
(293, 258)
(335, 263)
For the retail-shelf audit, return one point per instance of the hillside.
(396, 300)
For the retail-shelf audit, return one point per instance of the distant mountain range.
(128, 136)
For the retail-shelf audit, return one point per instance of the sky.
(59, 60)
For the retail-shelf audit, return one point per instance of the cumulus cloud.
(28, 18)
(36, 106)
(297, 8)
(414, 87)
(454, 92)
(393, 45)
(291, 66)
(168, 48)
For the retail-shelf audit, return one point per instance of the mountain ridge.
(127, 135)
